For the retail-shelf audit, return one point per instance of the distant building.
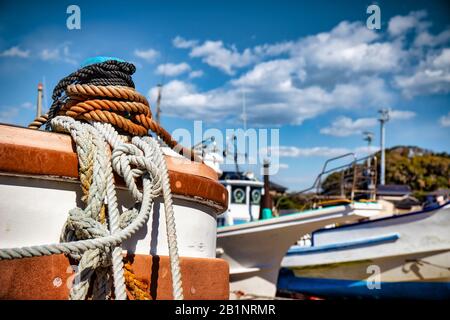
(276, 189)
(393, 192)
(397, 198)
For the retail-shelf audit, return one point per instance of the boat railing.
(352, 180)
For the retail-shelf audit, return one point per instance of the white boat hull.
(407, 255)
(254, 250)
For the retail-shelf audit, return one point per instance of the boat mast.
(235, 153)
(158, 104)
(244, 119)
(160, 87)
(39, 101)
(384, 117)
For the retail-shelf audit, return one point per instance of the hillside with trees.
(421, 169)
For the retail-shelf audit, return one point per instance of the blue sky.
(311, 69)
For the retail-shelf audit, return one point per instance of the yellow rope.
(138, 289)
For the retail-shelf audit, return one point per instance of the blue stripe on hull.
(371, 241)
(334, 288)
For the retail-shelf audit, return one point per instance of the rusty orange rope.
(122, 107)
(38, 122)
(137, 289)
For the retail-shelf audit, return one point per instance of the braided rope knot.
(85, 236)
(132, 161)
(83, 226)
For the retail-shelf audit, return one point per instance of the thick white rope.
(95, 243)
(152, 150)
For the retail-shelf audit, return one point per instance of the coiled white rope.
(88, 240)
(120, 163)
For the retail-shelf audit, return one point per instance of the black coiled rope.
(108, 73)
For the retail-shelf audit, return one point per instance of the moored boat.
(255, 249)
(403, 256)
(254, 242)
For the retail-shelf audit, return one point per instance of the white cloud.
(348, 67)
(196, 74)
(173, 70)
(431, 76)
(11, 114)
(50, 54)
(182, 98)
(275, 49)
(181, 43)
(27, 105)
(215, 54)
(60, 53)
(399, 25)
(424, 38)
(283, 166)
(401, 114)
(8, 115)
(327, 152)
(295, 152)
(445, 120)
(349, 46)
(272, 73)
(344, 126)
(15, 52)
(148, 55)
(283, 103)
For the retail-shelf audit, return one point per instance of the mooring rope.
(105, 92)
(103, 95)
(140, 158)
(110, 72)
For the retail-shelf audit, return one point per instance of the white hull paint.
(418, 250)
(33, 211)
(254, 250)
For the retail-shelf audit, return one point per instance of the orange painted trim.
(33, 152)
(47, 278)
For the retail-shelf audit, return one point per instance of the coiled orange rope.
(122, 107)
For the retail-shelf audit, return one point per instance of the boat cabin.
(244, 199)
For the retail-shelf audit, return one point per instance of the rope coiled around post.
(103, 95)
(105, 92)
(87, 239)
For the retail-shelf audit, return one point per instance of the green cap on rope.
(98, 59)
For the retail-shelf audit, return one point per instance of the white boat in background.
(402, 256)
(255, 249)
(254, 244)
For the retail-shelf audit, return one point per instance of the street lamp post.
(384, 117)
